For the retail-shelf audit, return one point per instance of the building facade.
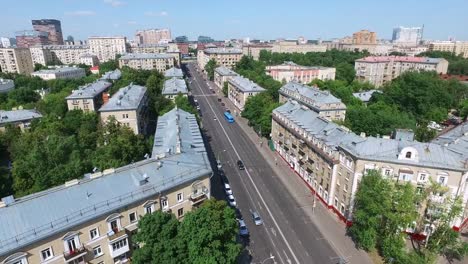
(294, 46)
(88, 98)
(407, 36)
(31, 38)
(364, 37)
(16, 60)
(53, 27)
(147, 61)
(153, 36)
(227, 57)
(381, 70)
(253, 50)
(173, 87)
(18, 118)
(456, 47)
(332, 160)
(222, 74)
(322, 102)
(240, 89)
(89, 59)
(107, 48)
(129, 107)
(60, 73)
(64, 227)
(290, 71)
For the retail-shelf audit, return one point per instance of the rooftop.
(31, 33)
(103, 193)
(58, 70)
(89, 90)
(225, 71)
(127, 98)
(455, 139)
(222, 51)
(292, 64)
(174, 86)
(311, 96)
(245, 85)
(365, 96)
(6, 85)
(112, 75)
(62, 47)
(401, 59)
(13, 116)
(174, 72)
(145, 56)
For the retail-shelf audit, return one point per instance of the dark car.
(219, 99)
(240, 164)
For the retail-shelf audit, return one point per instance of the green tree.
(457, 64)
(345, 72)
(183, 103)
(108, 66)
(226, 90)
(258, 111)
(38, 67)
(209, 68)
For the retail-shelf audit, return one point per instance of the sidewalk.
(332, 228)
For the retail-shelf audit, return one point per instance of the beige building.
(364, 37)
(240, 89)
(89, 97)
(107, 48)
(173, 87)
(129, 107)
(60, 73)
(92, 219)
(59, 54)
(42, 56)
(290, 71)
(332, 160)
(253, 50)
(16, 60)
(147, 61)
(381, 70)
(88, 59)
(222, 74)
(456, 47)
(18, 118)
(227, 57)
(153, 36)
(322, 102)
(294, 46)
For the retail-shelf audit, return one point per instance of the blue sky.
(222, 19)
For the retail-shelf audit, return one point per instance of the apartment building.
(18, 118)
(227, 57)
(455, 47)
(332, 160)
(364, 37)
(290, 71)
(16, 60)
(62, 54)
(60, 73)
(147, 61)
(153, 36)
(31, 38)
(174, 72)
(42, 56)
(89, 59)
(253, 50)
(6, 85)
(322, 102)
(149, 48)
(240, 89)
(222, 74)
(129, 107)
(383, 69)
(294, 46)
(407, 36)
(88, 98)
(53, 28)
(92, 219)
(173, 87)
(107, 48)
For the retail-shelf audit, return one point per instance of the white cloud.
(81, 13)
(114, 3)
(156, 14)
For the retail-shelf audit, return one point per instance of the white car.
(232, 200)
(227, 189)
(218, 162)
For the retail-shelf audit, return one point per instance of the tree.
(258, 111)
(457, 64)
(108, 66)
(345, 72)
(209, 68)
(226, 90)
(183, 103)
(38, 67)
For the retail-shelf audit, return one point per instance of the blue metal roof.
(127, 98)
(89, 90)
(174, 72)
(174, 86)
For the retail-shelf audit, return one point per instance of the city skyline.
(336, 19)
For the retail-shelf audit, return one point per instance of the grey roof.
(455, 139)
(40, 215)
(366, 95)
(127, 98)
(6, 85)
(13, 116)
(145, 56)
(174, 86)
(174, 72)
(58, 70)
(245, 85)
(311, 96)
(370, 148)
(225, 71)
(223, 51)
(112, 75)
(89, 90)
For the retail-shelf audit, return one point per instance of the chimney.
(105, 97)
(363, 135)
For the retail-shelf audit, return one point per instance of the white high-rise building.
(409, 36)
(5, 42)
(16, 60)
(107, 48)
(153, 36)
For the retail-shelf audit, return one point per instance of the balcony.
(199, 194)
(73, 256)
(115, 234)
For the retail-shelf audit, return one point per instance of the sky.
(221, 19)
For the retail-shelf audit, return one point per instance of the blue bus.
(229, 117)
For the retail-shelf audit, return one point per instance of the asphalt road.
(287, 233)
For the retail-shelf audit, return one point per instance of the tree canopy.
(209, 68)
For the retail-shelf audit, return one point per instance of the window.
(180, 212)
(408, 155)
(387, 172)
(124, 115)
(149, 209)
(442, 180)
(114, 226)
(132, 217)
(180, 197)
(97, 251)
(164, 203)
(336, 201)
(119, 244)
(46, 254)
(422, 177)
(93, 233)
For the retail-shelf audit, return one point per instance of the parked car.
(243, 231)
(232, 200)
(227, 189)
(219, 99)
(222, 104)
(256, 217)
(218, 164)
(240, 164)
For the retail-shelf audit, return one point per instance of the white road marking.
(273, 231)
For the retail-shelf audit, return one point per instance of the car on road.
(240, 164)
(198, 107)
(219, 99)
(227, 110)
(232, 200)
(256, 218)
(222, 104)
(218, 164)
(195, 101)
(243, 231)
(227, 189)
